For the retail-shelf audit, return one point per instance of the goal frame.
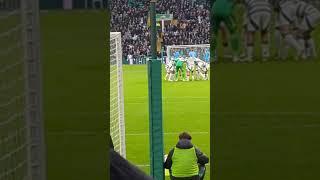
(36, 150)
(117, 37)
(184, 47)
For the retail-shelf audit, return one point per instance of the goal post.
(33, 85)
(22, 145)
(202, 51)
(117, 122)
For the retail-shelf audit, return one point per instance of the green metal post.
(155, 103)
(213, 59)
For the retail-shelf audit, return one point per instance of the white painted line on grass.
(180, 97)
(311, 125)
(148, 165)
(97, 133)
(166, 101)
(166, 133)
(269, 113)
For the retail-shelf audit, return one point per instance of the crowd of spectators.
(190, 24)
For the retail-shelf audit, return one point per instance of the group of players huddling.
(190, 68)
(293, 23)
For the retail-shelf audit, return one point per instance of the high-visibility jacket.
(184, 162)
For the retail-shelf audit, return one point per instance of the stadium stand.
(190, 24)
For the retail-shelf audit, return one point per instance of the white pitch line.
(216, 113)
(181, 97)
(148, 165)
(166, 133)
(94, 133)
(268, 113)
(98, 133)
(311, 125)
(176, 102)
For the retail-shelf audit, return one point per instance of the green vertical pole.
(155, 103)
(213, 59)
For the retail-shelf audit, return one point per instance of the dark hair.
(185, 135)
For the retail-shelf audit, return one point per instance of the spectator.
(130, 59)
(120, 168)
(184, 161)
(190, 25)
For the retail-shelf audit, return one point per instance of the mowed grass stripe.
(266, 120)
(185, 108)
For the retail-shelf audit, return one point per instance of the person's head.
(185, 135)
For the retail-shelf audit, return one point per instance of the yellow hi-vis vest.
(184, 162)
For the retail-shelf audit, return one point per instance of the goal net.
(21, 127)
(117, 124)
(202, 51)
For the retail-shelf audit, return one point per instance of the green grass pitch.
(186, 107)
(74, 93)
(267, 120)
(267, 125)
(75, 140)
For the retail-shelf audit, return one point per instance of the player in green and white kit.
(223, 12)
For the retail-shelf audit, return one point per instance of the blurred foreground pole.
(155, 102)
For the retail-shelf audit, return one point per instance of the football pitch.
(186, 107)
(75, 94)
(267, 118)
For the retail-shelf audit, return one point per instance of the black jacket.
(186, 144)
(121, 169)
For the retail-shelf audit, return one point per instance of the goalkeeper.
(223, 12)
(180, 68)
